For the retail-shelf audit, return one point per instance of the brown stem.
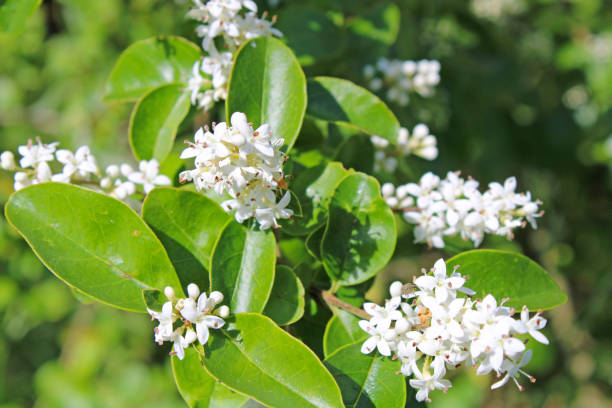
(407, 209)
(333, 301)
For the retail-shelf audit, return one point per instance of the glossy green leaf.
(314, 188)
(243, 265)
(150, 63)
(198, 388)
(255, 357)
(15, 13)
(367, 380)
(189, 225)
(341, 329)
(342, 102)
(92, 242)
(268, 85)
(360, 235)
(155, 120)
(307, 31)
(381, 24)
(508, 275)
(311, 327)
(286, 303)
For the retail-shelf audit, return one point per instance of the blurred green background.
(526, 90)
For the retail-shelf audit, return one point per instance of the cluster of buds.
(183, 321)
(427, 323)
(236, 22)
(421, 144)
(400, 78)
(79, 167)
(455, 206)
(244, 163)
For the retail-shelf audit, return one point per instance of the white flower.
(531, 326)
(166, 319)
(148, 176)
(200, 314)
(33, 154)
(426, 382)
(454, 206)
(380, 338)
(181, 342)
(443, 287)
(81, 163)
(383, 316)
(513, 369)
(244, 163)
(403, 77)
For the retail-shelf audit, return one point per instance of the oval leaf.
(367, 380)
(155, 120)
(189, 225)
(360, 235)
(308, 32)
(92, 242)
(380, 25)
(268, 85)
(198, 388)
(314, 188)
(508, 275)
(243, 267)
(342, 329)
(342, 102)
(255, 357)
(286, 303)
(150, 63)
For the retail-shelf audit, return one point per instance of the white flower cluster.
(431, 324)
(78, 168)
(244, 163)
(236, 22)
(455, 206)
(197, 313)
(402, 77)
(421, 144)
(496, 9)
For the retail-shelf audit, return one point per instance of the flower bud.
(420, 131)
(7, 161)
(402, 326)
(387, 190)
(169, 292)
(113, 171)
(193, 290)
(223, 312)
(106, 183)
(396, 289)
(126, 170)
(216, 297)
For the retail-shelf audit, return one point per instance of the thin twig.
(332, 300)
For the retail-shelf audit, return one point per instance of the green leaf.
(255, 357)
(150, 63)
(243, 265)
(342, 329)
(198, 388)
(15, 13)
(314, 188)
(367, 380)
(360, 235)
(189, 225)
(381, 24)
(340, 101)
(308, 32)
(155, 120)
(508, 275)
(267, 84)
(357, 153)
(92, 242)
(286, 303)
(154, 299)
